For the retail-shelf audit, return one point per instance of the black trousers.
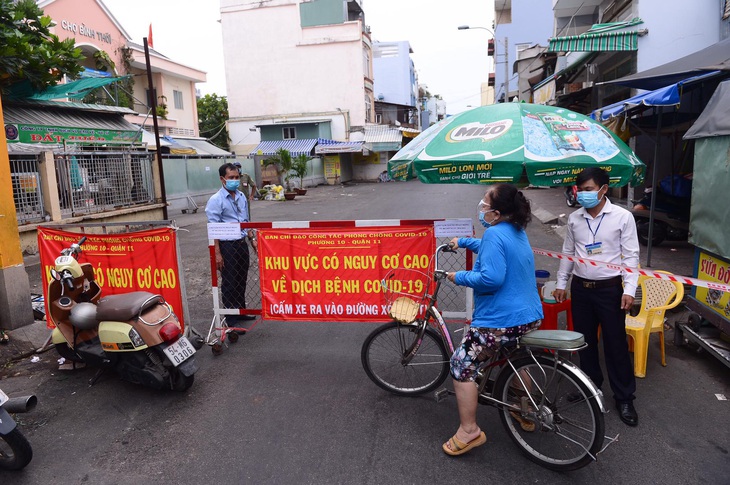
(234, 275)
(594, 306)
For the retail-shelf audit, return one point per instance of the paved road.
(290, 403)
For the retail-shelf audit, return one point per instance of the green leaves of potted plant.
(300, 169)
(281, 161)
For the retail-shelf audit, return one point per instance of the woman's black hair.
(511, 203)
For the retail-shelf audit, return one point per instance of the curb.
(23, 342)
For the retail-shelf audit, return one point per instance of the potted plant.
(282, 162)
(300, 169)
(162, 107)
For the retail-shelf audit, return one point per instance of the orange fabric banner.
(123, 262)
(334, 275)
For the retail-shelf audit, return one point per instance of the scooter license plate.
(3, 398)
(179, 351)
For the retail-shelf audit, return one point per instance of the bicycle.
(550, 409)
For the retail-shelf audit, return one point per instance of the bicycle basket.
(405, 292)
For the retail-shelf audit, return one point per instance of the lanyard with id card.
(596, 247)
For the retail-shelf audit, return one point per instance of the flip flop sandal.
(458, 447)
(527, 426)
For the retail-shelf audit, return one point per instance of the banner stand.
(320, 236)
(129, 229)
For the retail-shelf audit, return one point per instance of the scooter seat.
(125, 306)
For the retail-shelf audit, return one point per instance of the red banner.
(124, 262)
(334, 275)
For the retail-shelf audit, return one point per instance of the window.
(290, 133)
(368, 109)
(178, 98)
(366, 63)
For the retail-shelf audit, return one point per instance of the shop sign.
(86, 31)
(20, 133)
(714, 269)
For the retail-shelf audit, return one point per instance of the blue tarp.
(666, 96)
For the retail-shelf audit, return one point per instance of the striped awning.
(383, 138)
(332, 146)
(295, 147)
(600, 42)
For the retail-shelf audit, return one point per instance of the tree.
(212, 117)
(29, 52)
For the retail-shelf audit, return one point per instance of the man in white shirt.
(600, 295)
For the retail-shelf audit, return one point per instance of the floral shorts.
(479, 344)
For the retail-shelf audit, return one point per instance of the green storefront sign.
(22, 133)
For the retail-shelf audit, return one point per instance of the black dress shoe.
(627, 413)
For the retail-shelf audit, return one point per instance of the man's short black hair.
(597, 174)
(225, 168)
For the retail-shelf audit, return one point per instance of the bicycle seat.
(553, 339)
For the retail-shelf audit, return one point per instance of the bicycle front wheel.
(382, 358)
(562, 433)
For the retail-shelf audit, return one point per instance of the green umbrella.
(503, 142)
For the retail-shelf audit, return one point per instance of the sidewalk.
(549, 209)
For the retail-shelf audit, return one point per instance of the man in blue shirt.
(231, 256)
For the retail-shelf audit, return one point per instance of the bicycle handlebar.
(444, 248)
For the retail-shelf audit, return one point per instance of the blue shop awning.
(666, 96)
(295, 147)
(332, 146)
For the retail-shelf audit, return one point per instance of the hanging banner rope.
(686, 280)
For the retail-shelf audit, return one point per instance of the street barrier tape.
(686, 280)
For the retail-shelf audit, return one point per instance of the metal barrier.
(88, 181)
(27, 193)
(98, 181)
(455, 302)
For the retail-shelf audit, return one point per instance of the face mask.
(232, 184)
(589, 199)
(481, 210)
(484, 223)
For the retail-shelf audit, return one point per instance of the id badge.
(594, 249)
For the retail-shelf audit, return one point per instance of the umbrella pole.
(653, 188)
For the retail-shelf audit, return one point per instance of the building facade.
(292, 66)
(584, 53)
(75, 155)
(396, 84)
(519, 25)
(110, 51)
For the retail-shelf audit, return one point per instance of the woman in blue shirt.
(506, 302)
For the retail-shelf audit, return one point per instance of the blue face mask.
(484, 223)
(588, 199)
(481, 210)
(232, 184)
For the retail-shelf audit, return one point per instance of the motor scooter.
(15, 451)
(135, 334)
(571, 195)
(671, 218)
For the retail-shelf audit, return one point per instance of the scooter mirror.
(55, 275)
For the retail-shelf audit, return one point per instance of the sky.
(450, 62)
